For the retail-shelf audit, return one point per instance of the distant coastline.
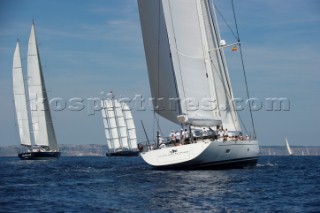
(100, 150)
(66, 150)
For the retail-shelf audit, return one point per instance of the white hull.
(206, 153)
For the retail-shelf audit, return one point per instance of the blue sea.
(122, 184)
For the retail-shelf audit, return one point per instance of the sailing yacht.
(119, 128)
(190, 85)
(45, 144)
(288, 147)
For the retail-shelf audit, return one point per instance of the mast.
(43, 130)
(20, 102)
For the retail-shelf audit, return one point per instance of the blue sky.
(91, 46)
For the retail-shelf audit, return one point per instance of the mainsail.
(43, 130)
(186, 63)
(20, 99)
(131, 129)
(119, 126)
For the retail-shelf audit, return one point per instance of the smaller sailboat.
(119, 128)
(288, 147)
(45, 144)
(308, 152)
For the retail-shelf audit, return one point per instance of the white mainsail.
(115, 125)
(20, 101)
(43, 130)
(131, 129)
(185, 62)
(288, 147)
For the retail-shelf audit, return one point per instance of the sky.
(88, 48)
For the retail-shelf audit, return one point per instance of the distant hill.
(101, 150)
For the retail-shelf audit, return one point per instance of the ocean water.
(119, 184)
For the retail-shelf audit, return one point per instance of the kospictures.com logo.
(139, 103)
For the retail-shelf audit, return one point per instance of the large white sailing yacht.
(190, 84)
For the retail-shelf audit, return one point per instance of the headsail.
(185, 62)
(43, 130)
(20, 102)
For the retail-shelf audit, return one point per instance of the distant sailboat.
(119, 128)
(288, 147)
(45, 143)
(308, 152)
(186, 64)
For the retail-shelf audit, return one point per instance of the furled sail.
(43, 130)
(20, 99)
(186, 63)
(115, 125)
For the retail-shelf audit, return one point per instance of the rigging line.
(242, 123)
(244, 71)
(220, 51)
(224, 20)
(158, 125)
(235, 21)
(148, 142)
(247, 90)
